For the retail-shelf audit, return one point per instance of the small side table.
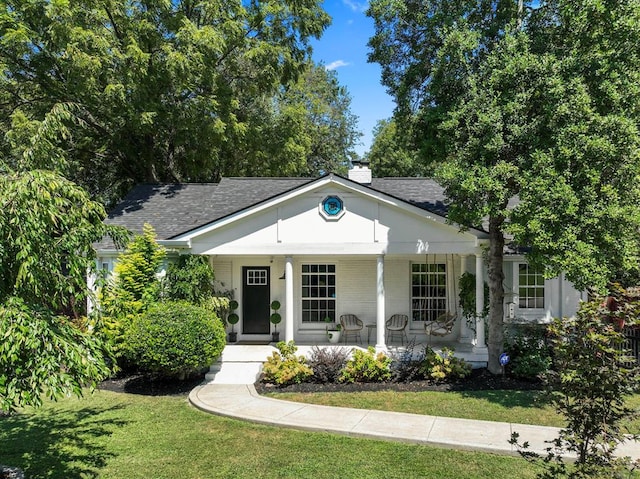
(370, 327)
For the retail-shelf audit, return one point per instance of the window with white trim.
(530, 287)
(318, 292)
(428, 291)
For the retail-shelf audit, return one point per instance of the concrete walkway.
(229, 392)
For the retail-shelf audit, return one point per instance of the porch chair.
(441, 326)
(351, 324)
(396, 325)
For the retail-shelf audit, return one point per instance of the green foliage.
(174, 339)
(133, 288)
(366, 367)
(42, 354)
(529, 351)
(159, 91)
(390, 155)
(47, 229)
(327, 363)
(284, 367)
(467, 296)
(540, 104)
(592, 378)
(218, 305)
(190, 278)
(444, 365)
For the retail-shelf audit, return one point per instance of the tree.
(389, 155)
(142, 91)
(592, 379)
(190, 278)
(503, 110)
(304, 129)
(47, 228)
(133, 288)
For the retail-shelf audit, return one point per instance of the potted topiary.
(333, 330)
(233, 319)
(275, 319)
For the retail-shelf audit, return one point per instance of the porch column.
(380, 314)
(480, 341)
(465, 332)
(288, 298)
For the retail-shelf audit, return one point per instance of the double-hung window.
(530, 287)
(428, 291)
(318, 292)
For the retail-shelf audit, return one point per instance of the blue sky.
(343, 48)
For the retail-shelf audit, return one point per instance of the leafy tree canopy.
(541, 103)
(47, 228)
(143, 91)
(390, 155)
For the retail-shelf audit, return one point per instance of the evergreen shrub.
(174, 339)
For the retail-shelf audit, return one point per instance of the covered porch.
(314, 289)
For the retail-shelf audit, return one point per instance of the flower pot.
(233, 337)
(334, 336)
(275, 336)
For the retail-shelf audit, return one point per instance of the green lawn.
(111, 435)
(522, 407)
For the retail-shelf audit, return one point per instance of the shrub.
(590, 386)
(444, 365)
(190, 278)
(174, 339)
(284, 367)
(133, 288)
(529, 350)
(407, 366)
(327, 363)
(366, 367)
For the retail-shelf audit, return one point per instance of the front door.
(255, 300)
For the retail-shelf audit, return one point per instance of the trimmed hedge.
(175, 339)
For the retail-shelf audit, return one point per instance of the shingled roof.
(174, 209)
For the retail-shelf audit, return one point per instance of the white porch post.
(480, 340)
(380, 313)
(288, 299)
(465, 332)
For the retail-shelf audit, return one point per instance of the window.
(318, 292)
(428, 291)
(256, 277)
(530, 287)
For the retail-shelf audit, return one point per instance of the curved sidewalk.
(241, 401)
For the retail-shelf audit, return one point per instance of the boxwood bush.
(175, 339)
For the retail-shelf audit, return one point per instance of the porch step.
(234, 372)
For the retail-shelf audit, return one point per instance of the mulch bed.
(149, 386)
(479, 380)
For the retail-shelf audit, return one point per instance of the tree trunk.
(496, 293)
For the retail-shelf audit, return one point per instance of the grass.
(521, 407)
(112, 435)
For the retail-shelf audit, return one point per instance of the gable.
(293, 223)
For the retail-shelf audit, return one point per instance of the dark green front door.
(255, 300)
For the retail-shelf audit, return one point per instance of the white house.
(332, 245)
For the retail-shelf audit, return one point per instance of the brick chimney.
(360, 172)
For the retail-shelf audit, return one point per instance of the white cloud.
(355, 5)
(336, 64)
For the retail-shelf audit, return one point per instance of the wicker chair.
(351, 324)
(396, 325)
(441, 326)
